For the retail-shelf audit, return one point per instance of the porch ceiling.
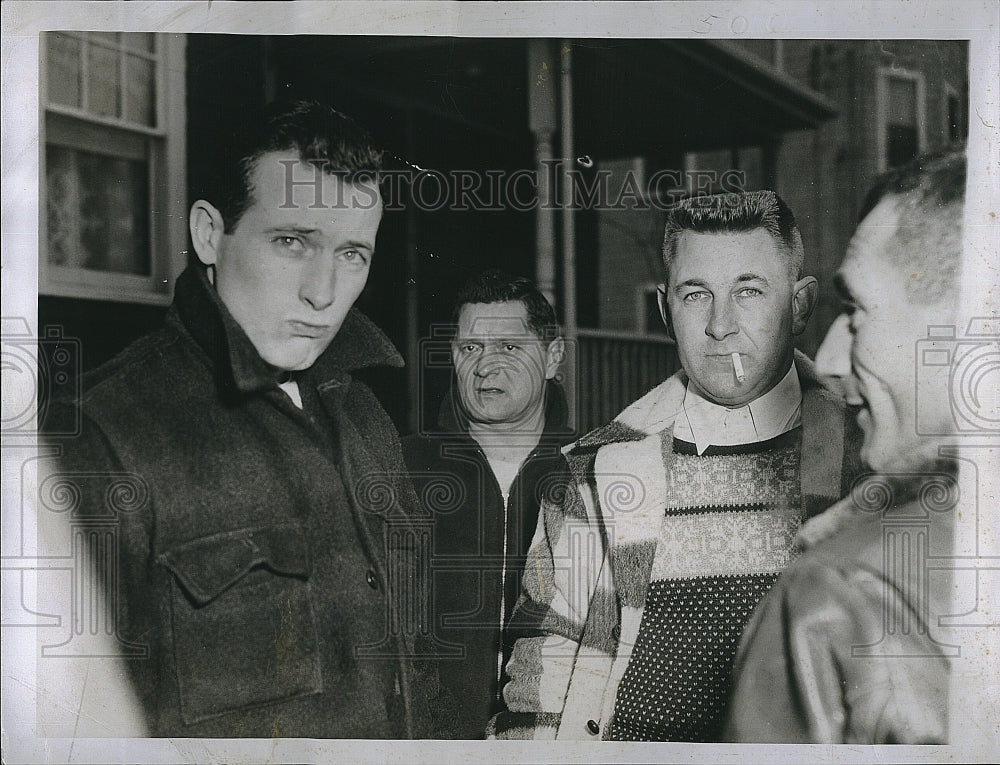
(653, 97)
(631, 97)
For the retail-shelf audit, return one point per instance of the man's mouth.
(489, 390)
(306, 329)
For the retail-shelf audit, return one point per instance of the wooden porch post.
(569, 375)
(542, 122)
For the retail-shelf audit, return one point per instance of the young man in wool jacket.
(254, 575)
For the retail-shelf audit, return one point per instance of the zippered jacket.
(479, 551)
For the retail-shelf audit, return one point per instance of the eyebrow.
(359, 244)
(292, 229)
(751, 277)
(747, 277)
(690, 283)
(513, 340)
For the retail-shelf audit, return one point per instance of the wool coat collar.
(657, 410)
(238, 366)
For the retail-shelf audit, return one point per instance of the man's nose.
(488, 363)
(721, 320)
(319, 280)
(833, 359)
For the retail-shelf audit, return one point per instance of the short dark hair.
(497, 286)
(322, 137)
(735, 213)
(928, 238)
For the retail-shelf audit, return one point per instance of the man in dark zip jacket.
(481, 475)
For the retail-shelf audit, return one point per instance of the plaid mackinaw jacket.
(589, 566)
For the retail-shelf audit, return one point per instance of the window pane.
(901, 144)
(141, 101)
(98, 208)
(64, 69)
(62, 207)
(102, 87)
(902, 102)
(109, 36)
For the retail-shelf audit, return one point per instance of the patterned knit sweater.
(590, 566)
(724, 538)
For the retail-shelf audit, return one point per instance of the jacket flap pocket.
(208, 566)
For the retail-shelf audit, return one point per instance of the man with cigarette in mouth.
(681, 511)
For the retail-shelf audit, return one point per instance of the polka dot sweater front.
(723, 541)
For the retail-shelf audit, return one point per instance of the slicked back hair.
(926, 247)
(319, 134)
(497, 286)
(735, 213)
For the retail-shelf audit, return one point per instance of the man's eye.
(749, 292)
(290, 243)
(695, 297)
(470, 348)
(510, 347)
(354, 256)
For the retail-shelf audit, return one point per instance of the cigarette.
(738, 368)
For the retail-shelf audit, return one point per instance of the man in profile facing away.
(493, 454)
(265, 586)
(681, 511)
(842, 650)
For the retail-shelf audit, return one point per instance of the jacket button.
(371, 579)
(593, 727)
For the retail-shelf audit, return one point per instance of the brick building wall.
(824, 174)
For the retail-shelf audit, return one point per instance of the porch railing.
(616, 368)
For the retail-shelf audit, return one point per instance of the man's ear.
(803, 302)
(554, 357)
(207, 228)
(661, 301)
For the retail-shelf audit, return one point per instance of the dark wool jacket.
(460, 493)
(265, 551)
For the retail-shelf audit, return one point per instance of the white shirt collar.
(291, 389)
(706, 423)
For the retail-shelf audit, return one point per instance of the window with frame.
(113, 165)
(901, 117)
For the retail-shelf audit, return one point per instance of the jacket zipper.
(503, 596)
